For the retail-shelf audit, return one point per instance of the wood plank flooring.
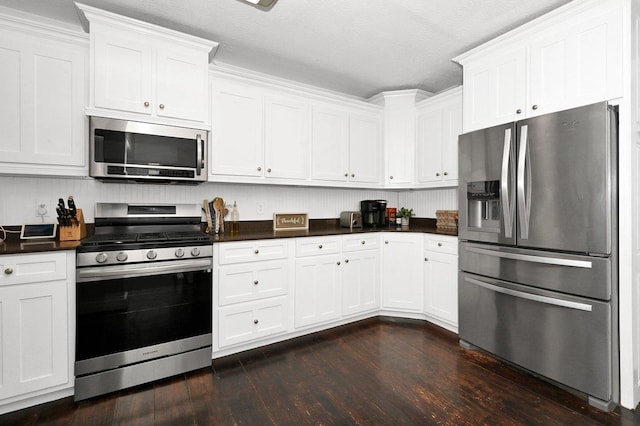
(375, 372)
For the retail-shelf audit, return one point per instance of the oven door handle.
(128, 271)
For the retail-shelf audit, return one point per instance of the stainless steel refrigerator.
(538, 233)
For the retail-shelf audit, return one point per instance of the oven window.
(151, 150)
(127, 313)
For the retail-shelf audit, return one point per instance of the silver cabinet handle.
(269, 170)
(320, 246)
(256, 251)
(535, 107)
(338, 263)
(255, 282)
(346, 175)
(437, 174)
(446, 174)
(532, 297)
(362, 242)
(390, 177)
(353, 175)
(426, 259)
(518, 111)
(386, 242)
(146, 103)
(8, 271)
(161, 106)
(255, 321)
(439, 244)
(259, 168)
(346, 261)
(534, 259)
(504, 184)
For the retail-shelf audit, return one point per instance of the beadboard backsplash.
(20, 197)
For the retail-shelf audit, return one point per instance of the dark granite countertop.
(249, 230)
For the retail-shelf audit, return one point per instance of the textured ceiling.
(357, 47)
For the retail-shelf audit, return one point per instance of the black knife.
(72, 210)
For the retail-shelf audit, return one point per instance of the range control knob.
(122, 256)
(195, 251)
(101, 257)
(152, 254)
(179, 252)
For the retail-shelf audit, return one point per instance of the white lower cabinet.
(441, 280)
(317, 290)
(249, 321)
(360, 274)
(36, 325)
(250, 287)
(402, 271)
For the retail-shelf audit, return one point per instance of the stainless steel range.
(143, 297)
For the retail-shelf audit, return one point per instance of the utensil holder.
(74, 232)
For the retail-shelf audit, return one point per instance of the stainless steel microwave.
(143, 152)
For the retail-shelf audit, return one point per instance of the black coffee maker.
(374, 212)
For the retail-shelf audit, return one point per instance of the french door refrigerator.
(538, 247)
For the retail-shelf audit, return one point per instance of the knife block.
(74, 232)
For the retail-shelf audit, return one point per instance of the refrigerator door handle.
(533, 297)
(524, 189)
(504, 183)
(536, 259)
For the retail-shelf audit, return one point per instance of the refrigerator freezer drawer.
(566, 339)
(579, 275)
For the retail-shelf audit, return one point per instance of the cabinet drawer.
(32, 268)
(361, 242)
(312, 246)
(251, 251)
(441, 244)
(249, 321)
(252, 281)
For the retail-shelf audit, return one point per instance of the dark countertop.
(249, 230)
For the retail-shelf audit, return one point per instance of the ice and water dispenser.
(483, 205)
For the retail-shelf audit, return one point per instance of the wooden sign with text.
(290, 221)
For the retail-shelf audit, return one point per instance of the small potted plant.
(405, 214)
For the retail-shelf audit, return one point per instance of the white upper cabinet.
(286, 136)
(144, 72)
(257, 134)
(237, 129)
(400, 135)
(345, 144)
(567, 58)
(42, 82)
(439, 122)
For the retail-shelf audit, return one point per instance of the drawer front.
(252, 281)
(33, 268)
(254, 320)
(313, 246)
(361, 242)
(250, 251)
(442, 244)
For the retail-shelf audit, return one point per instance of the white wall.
(19, 195)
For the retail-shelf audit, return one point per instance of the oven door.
(126, 314)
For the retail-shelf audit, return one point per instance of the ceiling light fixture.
(261, 3)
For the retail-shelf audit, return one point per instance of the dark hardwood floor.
(375, 372)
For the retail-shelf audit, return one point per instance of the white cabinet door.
(578, 63)
(252, 320)
(182, 83)
(317, 290)
(360, 281)
(365, 148)
(330, 143)
(251, 281)
(402, 271)
(495, 89)
(237, 143)
(122, 71)
(439, 123)
(286, 137)
(42, 82)
(441, 286)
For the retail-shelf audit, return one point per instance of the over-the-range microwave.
(142, 152)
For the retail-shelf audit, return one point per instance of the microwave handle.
(199, 154)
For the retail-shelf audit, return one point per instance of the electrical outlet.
(42, 209)
(260, 208)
